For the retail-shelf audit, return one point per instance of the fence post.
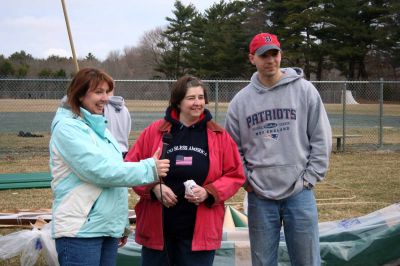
(344, 116)
(216, 102)
(381, 113)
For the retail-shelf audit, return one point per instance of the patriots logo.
(271, 125)
(273, 136)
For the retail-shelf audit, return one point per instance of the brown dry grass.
(357, 183)
(364, 109)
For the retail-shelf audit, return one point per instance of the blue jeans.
(179, 253)
(299, 216)
(87, 251)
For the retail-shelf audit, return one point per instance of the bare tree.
(153, 44)
(142, 60)
(116, 65)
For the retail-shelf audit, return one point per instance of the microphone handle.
(164, 151)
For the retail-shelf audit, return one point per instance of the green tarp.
(373, 239)
(25, 180)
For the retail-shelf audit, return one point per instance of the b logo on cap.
(268, 39)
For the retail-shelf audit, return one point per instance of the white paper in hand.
(189, 184)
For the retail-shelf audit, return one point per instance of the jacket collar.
(96, 122)
(165, 126)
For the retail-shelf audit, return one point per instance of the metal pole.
(381, 113)
(344, 116)
(216, 101)
(71, 42)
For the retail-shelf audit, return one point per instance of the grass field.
(354, 177)
(357, 183)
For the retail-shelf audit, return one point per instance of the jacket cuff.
(212, 195)
(209, 202)
(155, 174)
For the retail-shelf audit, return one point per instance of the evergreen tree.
(20, 57)
(56, 58)
(22, 70)
(60, 73)
(353, 33)
(388, 45)
(302, 45)
(173, 62)
(218, 46)
(90, 57)
(45, 73)
(6, 69)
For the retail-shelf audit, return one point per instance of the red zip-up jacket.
(224, 179)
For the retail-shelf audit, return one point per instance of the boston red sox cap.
(264, 42)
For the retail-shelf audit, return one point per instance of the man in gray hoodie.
(118, 120)
(284, 136)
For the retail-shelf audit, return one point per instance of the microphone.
(167, 139)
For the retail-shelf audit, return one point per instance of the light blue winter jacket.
(89, 177)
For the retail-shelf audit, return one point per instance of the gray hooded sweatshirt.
(118, 120)
(283, 134)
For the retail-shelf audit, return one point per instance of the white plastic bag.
(28, 244)
(13, 244)
(49, 246)
(31, 249)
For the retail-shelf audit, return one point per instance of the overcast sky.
(98, 26)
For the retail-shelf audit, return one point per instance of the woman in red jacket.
(178, 226)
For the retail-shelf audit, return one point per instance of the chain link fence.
(363, 114)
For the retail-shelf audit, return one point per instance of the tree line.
(330, 40)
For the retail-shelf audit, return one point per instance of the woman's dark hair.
(180, 87)
(85, 80)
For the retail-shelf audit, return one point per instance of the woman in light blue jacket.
(89, 177)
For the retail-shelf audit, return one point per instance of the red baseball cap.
(263, 42)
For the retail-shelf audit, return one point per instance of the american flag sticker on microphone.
(183, 160)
